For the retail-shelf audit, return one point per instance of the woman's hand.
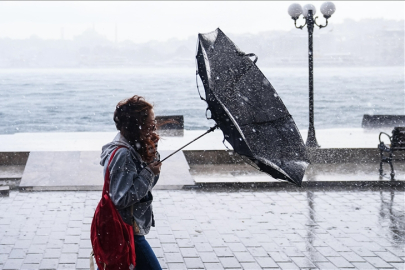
(155, 167)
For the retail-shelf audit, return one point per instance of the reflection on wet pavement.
(217, 229)
(393, 217)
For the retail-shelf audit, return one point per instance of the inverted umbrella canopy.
(248, 110)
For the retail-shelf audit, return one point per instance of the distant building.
(374, 42)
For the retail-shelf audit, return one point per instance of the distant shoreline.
(191, 67)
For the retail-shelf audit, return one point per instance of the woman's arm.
(126, 185)
(155, 180)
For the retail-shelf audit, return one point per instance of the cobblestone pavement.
(259, 229)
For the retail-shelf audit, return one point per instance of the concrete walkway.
(93, 141)
(217, 229)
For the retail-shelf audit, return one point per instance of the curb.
(319, 185)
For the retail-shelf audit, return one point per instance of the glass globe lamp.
(327, 9)
(295, 10)
(308, 7)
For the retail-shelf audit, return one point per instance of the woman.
(134, 171)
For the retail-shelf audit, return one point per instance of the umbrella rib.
(276, 167)
(234, 121)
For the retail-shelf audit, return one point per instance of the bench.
(397, 143)
(380, 121)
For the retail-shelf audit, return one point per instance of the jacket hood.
(119, 140)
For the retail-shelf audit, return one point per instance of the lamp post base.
(311, 139)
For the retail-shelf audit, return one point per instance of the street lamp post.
(308, 12)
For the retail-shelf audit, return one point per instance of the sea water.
(75, 100)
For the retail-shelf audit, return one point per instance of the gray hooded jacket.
(131, 182)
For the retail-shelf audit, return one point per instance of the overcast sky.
(145, 21)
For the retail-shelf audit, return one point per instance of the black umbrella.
(248, 110)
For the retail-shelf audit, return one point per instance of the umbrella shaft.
(208, 131)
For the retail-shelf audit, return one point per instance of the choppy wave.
(68, 100)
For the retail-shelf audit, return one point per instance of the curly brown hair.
(131, 119)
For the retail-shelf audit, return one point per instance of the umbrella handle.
(250, 55)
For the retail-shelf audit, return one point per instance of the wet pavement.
(218, 229)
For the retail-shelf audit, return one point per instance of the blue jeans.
(145, 257)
